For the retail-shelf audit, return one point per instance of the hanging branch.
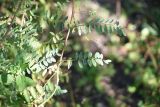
(61, 59)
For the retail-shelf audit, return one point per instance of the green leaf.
(94, 62)
(54, 40)
(69, 62)
(80, 64)
(99, 28)
(89, 28)
(6, 78)
(89, 54)
(107, 61)
(101, 56)
(33, 92)
(57, 37)
(23, 82)
(60, 91)
(131, 89)
(110, 20)
(50, 86)
(99, 61)
(79, 31)
(89, 62)
(53, 59)
(109, 29)
(120, 31)
(26, 96)
(97, 55)
(80, 55)
(40, 89)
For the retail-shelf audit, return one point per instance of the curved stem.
(42, 104)
(61, 59)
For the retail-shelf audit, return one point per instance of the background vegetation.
(30, 29)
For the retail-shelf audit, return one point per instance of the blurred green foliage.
(132, 79)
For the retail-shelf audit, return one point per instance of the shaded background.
(132, 79)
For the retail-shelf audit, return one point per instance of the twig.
(65, 43)
(61, 58)
(152, 57)
(118, 8)
(42, 104)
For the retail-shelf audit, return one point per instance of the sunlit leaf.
(23, 82)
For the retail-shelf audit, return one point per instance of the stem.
(42, 104)
(118, 8)
(65, 43)
(61, 59)
(152, 57)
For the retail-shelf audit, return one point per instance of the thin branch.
(42, 104)
(65, 43)
(118, 8)
(152, 57)
(61, 59)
